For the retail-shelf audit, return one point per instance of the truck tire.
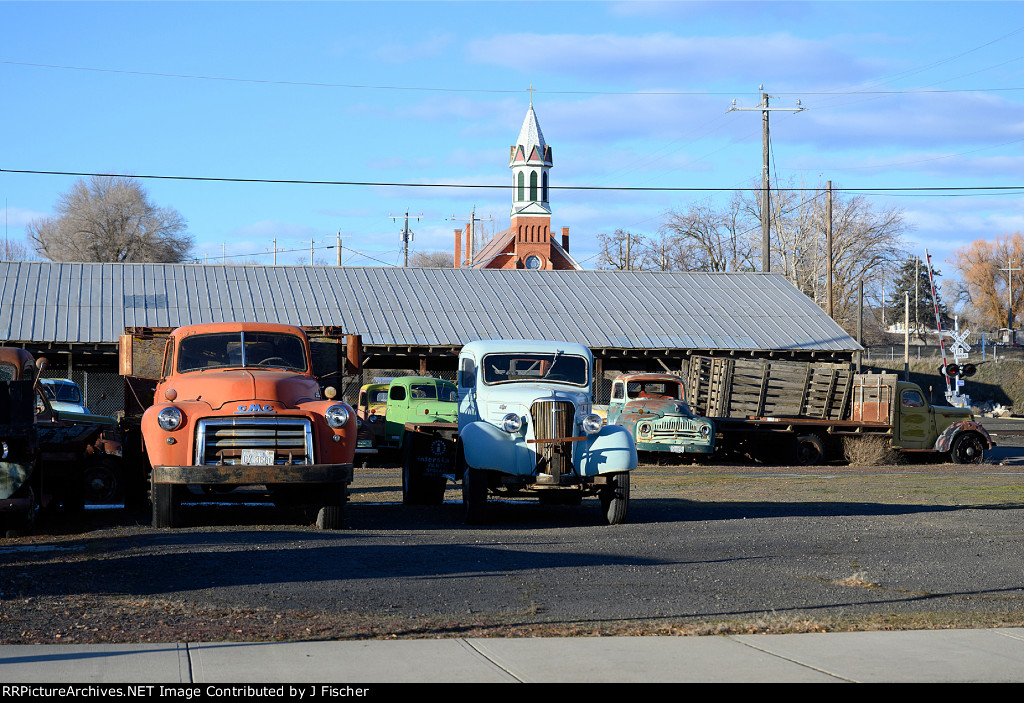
(166, 504)
(331, 516)
(102, 481)
(810, 450)
(615, 498)
(474, 496)
(967, 448)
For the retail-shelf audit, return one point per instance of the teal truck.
(653, 408)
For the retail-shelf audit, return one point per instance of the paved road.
(679, 560)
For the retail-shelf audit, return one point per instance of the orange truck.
(237, 404)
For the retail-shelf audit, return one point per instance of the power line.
(360, 86)
(700, 189)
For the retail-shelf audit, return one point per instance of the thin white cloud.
(661, 56)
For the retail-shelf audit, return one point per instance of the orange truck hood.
(237, 385)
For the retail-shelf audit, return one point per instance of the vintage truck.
(782, 411)
(49, 459)
(236, 405)
(19, 441)
(653, 408)
(371, 408)
(526, 428)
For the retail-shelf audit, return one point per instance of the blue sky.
(636, 95)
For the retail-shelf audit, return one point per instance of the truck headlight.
(337, 416)
(643, 429)
(705, 431)
(592, 423)
(511, 422)
(169, 419)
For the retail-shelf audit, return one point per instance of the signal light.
(952, 369)
(968, 370)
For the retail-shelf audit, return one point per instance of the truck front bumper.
(682, 448)
(249, 475)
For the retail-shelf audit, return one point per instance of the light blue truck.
(527, 428)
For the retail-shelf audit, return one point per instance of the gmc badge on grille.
(255, 408)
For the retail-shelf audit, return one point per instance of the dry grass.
(870, 451)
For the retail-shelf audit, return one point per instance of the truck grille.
(668, 429)
(221, 440)
(554, 419)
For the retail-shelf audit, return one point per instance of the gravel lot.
(707, 549)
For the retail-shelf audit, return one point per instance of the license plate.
(677, 449)
(258, 457)
(364, 443)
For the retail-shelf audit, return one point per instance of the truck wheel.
(474, 496)
(967, 449)
(102, 481)
(615, 498)
(810, 450)
(332, 515)
(166, 504)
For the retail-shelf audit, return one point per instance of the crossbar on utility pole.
(766, 256)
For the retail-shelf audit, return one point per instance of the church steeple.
(530, 161)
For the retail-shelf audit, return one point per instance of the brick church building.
(529, 242)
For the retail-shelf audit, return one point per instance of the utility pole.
(275, 251)
(1009, 289)
(828, 240)
(766, 260)
(471, 244)
(406, 236)
(339, 245)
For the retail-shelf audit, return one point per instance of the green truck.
(415, 403)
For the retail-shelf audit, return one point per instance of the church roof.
(503, 240)
(531, 144)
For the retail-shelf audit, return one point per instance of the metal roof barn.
(425, 312)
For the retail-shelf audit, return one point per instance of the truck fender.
(611, 450)
(945, 440)
(487, 447)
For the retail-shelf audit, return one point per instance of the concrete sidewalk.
(995, 655)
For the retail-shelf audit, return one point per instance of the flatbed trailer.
(802, 412)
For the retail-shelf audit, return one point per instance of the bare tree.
(110, 219)
(13, 250)
(621, 250)
(432, 259)
(702, 238)
(867, 246)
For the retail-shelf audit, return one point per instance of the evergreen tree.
(913, 279)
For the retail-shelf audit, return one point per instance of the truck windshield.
(526, 368)
(8, 372)
(247, 349)
(63, 392)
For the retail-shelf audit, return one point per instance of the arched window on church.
(520, 197)
(533, 185)
(544, 187)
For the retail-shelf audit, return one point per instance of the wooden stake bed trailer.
(801, 412)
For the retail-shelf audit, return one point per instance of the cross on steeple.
(531, 90)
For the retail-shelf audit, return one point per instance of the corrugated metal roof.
(93, 303)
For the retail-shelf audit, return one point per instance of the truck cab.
(417, 399)
(237, 404)
(526, 427)
(918, 426)
(653, 408)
